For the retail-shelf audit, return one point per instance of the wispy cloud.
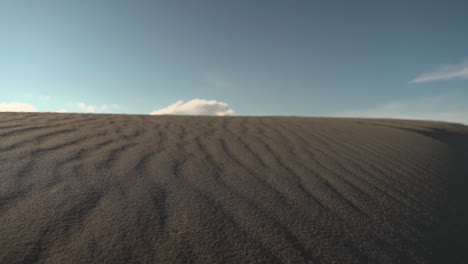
(16, 107)
(196, 107)
(446, 72)
(86, 108)
(37, 97)
(437, 108)
(218, 80)
(92, 109)
(45, 97)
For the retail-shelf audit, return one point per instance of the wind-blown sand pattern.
(78, 188)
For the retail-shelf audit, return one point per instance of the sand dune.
(78, 188)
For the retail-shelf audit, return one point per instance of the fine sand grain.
(78, 188)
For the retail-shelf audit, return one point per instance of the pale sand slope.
(80, 188)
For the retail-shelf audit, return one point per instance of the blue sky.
(402, 59)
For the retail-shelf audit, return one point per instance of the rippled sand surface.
(78, 188)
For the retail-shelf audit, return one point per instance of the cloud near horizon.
(444, 73)
(196, 107)
(16, 107)
(92, 108)
(427, 108)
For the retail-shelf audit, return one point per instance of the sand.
(84, 188)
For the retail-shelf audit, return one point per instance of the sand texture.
(77, 188)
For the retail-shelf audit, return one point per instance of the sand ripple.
(80, 188)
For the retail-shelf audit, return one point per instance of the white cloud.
(86, 108)
(445, 73)
(438, 108)
(62, 111)
(91, 108)
(16, 107)
(196, 107)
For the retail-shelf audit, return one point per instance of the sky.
(375, 58)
